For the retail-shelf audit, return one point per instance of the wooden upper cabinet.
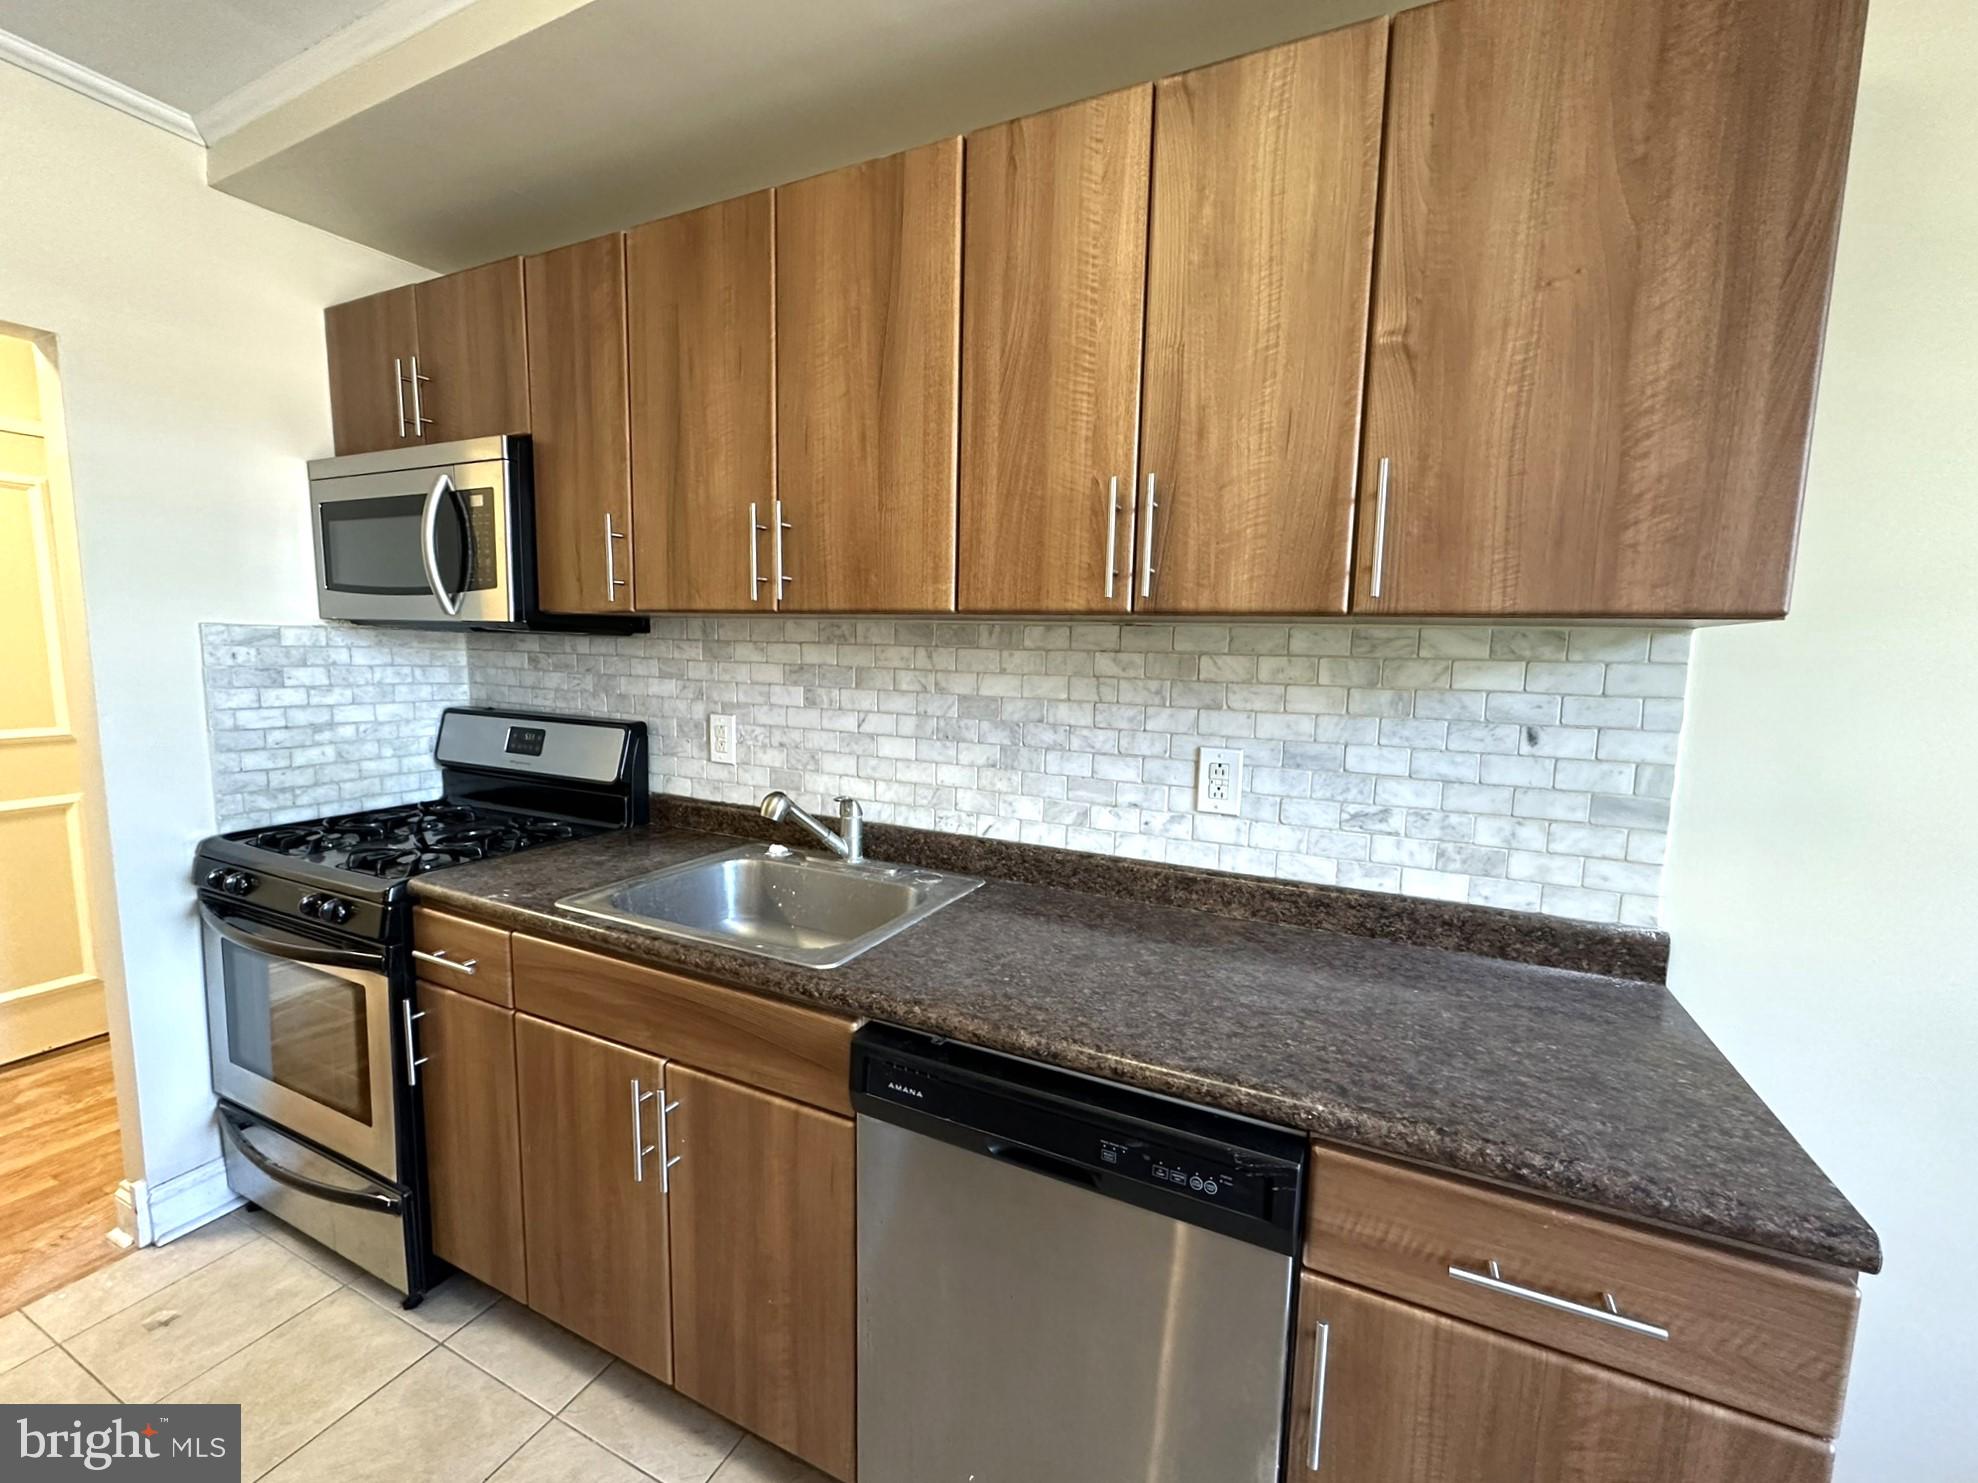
(578, 418)
(473, 353)
(1410, 1397)
(473, 1133)
(1054, 263)
(700, 297)
(1607, 236)
(371, 342)
(1260, 246)
(868, 294)
(594, 1212)
(765, 1264)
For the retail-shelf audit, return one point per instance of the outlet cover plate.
(721, 740)
(1219, 780)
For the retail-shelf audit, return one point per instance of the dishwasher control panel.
(1114, 1139)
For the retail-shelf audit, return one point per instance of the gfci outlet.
(721, 740)
(1219, 780)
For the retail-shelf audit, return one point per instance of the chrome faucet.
(847, 843)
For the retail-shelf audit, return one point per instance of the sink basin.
(800, 908)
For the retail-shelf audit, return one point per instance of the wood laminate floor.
(60, 1161)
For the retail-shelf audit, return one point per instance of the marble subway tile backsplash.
(1520, 767)
(313, 719)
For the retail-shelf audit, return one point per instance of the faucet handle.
(847, 804)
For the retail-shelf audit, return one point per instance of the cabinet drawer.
(455, 953)
(1766, 1338)
(804, 1054)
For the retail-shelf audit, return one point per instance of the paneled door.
(1607, 238)
(579, 425)
(1383, 1392)
(51, 860)
(473, 354)
(1054, 260)
(765, 1264)
(868, 319)
(371, 343)
(593, 1207)
(1260, 247)
(700, 296)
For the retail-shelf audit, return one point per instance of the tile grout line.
(142, 1297)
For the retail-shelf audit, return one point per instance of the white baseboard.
(183, 1203)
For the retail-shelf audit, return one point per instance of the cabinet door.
(371, 343)
(1055, 259)
(593, 1209)
(1607, 235)
(700, 296)
(764, 1264)
(473, 353)
(1260, 246)
(577, 412)
(1405, 1396)
(868, 293)
(473, 1137)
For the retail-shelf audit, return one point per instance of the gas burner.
(410, 839)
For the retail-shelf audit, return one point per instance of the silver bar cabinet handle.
(640, 1148)
(1321, 1341)
(1112, 534)
(1611, 1314)
(398, 389)
(667, 1159)
(776, 548)
(419, 419)
(1147, 543)
(413, 1060)
(1380, 531)
(755, 564)
(612, 581)
(439, 959)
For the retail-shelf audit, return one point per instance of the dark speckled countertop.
(1592, 1089)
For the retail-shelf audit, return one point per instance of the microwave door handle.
(295, 949)
(429, 552)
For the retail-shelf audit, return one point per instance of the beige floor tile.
(447, 1309)
(556, 1454)
(50, 1378)
(181, 1331)
(19, 1340)
(526, 1352)
(112, 1289)
(298, 1380)
(651, 1426)
(755, 1461)
(442, 1421)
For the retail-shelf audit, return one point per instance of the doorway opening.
(62, 1146)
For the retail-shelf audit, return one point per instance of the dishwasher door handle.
(1044, 1163)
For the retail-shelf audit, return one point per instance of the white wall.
(189, 335)
(1822, 890)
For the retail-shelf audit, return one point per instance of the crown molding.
(93, 84)
(370, 35)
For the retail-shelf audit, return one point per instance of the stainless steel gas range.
(309, 971)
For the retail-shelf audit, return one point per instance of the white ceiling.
(187, 53)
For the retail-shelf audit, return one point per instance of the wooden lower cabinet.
(765, 1264)
(1411, 1397)
(591, 1199)
(473, 1137)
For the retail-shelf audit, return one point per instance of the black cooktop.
(391, 844)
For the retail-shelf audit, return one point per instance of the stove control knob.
(217, 878)
(238, 883)
(331, 910)
(310, 905)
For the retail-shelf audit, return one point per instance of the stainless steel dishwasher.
(1062, 1280)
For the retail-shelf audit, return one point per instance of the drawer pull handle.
(439, 959)
(1611, 1313)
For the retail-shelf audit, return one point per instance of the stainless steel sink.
(777, 903)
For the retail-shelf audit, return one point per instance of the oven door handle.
(233, 1130)
(429, 550)
(295, 949)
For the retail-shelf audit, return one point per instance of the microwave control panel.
(479, 505)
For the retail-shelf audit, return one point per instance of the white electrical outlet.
(721, 740)
(1219, 780)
